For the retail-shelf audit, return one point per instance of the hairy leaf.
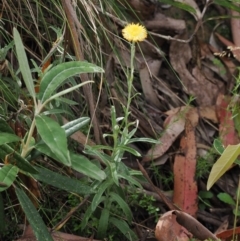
(7, 138)
(62, 182)
(8, 174)
(16, 159)
(123, 205)
(124, 228)
(39, 228)
(23, 63)
(54, 137)
(97, 198)
(58, 74)
(81, 164)
(103, 223)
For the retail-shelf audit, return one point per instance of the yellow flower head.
(134, 32)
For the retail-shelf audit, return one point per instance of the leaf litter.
(168, 77)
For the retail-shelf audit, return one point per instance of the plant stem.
(25, 148)
(130, 83)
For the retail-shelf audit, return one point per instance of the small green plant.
(18, 152)
(146, 202)
(109, 191)
(205, 197)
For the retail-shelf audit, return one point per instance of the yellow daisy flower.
(134, 32)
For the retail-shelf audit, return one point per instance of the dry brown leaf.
(168, 229)
(194, 83)
(174, 125)
(144, 9)
(185, 187)
(146, 71)
(193, 226)
(227, 132)
(208, 112)
(160, 23)
(223, 227)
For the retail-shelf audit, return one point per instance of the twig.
(74, 26)
(170, 205)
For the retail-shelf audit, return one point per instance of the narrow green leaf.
(93, 152)
(123, 205)
(83, 165)
(69, 129)
(58, 74)
(130, 180)
(124, 228)
(228, 4)
(103, 223)
(87, 215)
(114, 172)
(57, 111)
(125, 173)
(180, 5)
(16, 159)
(143, 139)
(8, 174)
(101, 147)
(226, 198)
(39, 228)
(66, 100)
(73, 126)
(54, 137)
(228, 157)
(130, 150)
(23, 63)
(102, 188)
(8, 138)
(41, 147)
(62, 182)
(68, 90)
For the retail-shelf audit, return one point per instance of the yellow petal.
(134, 32)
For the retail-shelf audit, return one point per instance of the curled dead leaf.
(168, 229)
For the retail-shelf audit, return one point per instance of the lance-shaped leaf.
(39, 228)
(83, 165)
(8, 138)
(69, 128)
(58, 74)
(62, 182)
(228, 157)
(23, 63)
(54, 137)
(73, 126)
(8, 174)
(16, 159)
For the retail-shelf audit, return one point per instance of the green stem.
(25, 148)
(130, 83)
